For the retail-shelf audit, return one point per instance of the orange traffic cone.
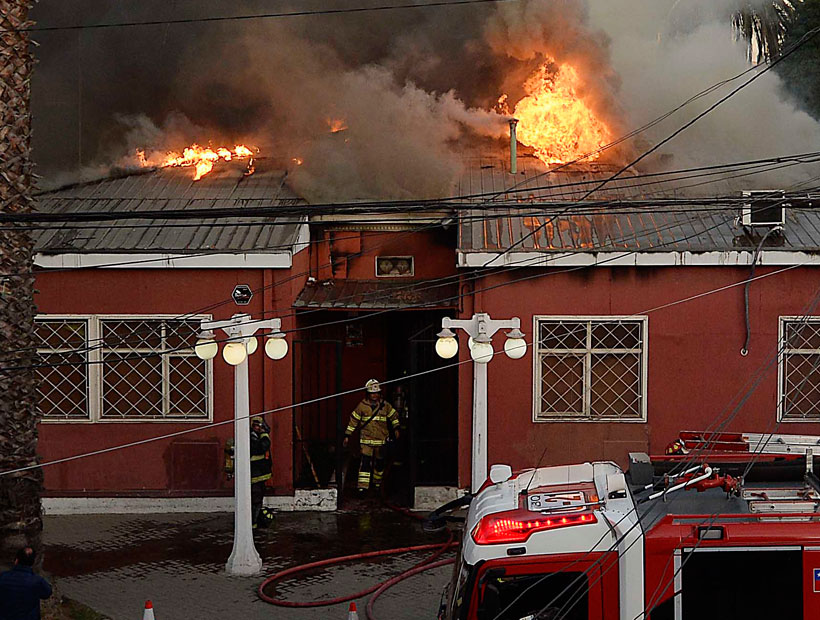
(352, 614)
(148, 614)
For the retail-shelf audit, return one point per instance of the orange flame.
(201, 158)
(336, 125)
(554, 120)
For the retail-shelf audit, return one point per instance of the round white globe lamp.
(235, 352)
(515, 346)
(482, 351)
(276, 347)
(446, 345)
(206, 347)
(251, 344)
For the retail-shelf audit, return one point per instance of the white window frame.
(538, 418)
(781, 367)
(95, 369)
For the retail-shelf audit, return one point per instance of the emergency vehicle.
(585, 541)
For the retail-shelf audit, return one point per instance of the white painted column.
(244, 559)
(479, 464)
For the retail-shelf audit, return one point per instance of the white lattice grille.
(800, 370)
(62, 368)
(591, 369)
(150, 370)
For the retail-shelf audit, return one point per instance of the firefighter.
(261, 464)
(375, 419)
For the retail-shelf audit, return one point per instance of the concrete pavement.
(113, 563)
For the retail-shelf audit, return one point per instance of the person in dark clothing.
(21, 590)
(261, 464)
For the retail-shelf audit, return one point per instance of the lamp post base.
(245, 562)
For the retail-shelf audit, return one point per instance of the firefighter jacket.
(261, 462)
(372, 420)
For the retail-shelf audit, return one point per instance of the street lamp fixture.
(276, 347)
(235, 352)
(482, 350)
(480, 330)
(241, 330)
(206, 347)
(515, 346)
(251, 344)
(446, 345)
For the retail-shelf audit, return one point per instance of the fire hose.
(378, 589)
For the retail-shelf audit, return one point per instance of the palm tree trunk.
(20, 514)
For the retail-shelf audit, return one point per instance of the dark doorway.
(316, 374)
(354, 347)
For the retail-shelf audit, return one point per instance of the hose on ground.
(425, 563)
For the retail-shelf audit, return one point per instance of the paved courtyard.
(113, 563)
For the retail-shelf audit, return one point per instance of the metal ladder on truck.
(786, 499)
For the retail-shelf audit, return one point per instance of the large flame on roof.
(201, 158)
(554, 120)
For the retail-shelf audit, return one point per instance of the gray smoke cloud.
(665, 51)
(415, 89)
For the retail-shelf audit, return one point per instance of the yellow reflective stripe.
(260, 478)
(355, 415)
(259, 457)
(372, 442)
(394, 422)
(350, 430)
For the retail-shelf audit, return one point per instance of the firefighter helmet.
(258, 420)
(372, 386)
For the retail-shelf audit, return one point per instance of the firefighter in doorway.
(375, 420)
(261, 464)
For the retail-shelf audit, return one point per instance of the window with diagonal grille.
(150, 371)
(62, 368)
(799, 372)
(590, 369)
(121, 368)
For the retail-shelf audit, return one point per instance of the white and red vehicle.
(579, 542)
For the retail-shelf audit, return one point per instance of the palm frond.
(764, 26)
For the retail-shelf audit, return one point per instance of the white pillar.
(479, 464)
(244, 558)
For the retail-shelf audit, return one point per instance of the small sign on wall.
(242, 294)
(817, 579)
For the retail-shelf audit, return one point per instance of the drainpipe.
(513, 147)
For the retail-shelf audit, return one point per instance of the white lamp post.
(480, 329)
(241, 330)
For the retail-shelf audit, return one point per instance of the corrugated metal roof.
(226, 186)
(668, 229)
(377, 294)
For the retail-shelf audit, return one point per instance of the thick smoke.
(665, 51)
(415, 88)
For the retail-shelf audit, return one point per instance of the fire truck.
(588, 542)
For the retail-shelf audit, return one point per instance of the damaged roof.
(691, 227)
(377, 294)
(227, 186)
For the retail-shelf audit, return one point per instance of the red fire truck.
(587, 542)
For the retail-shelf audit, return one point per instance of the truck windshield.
(562, 595)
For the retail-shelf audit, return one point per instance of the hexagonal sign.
(242, 294)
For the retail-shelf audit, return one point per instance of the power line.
(805, 39)
(284, 407)
(258, 16)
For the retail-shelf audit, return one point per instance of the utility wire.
(803, 40)
(274, 410)
(257, 16)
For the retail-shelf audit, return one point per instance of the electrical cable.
(747, 389)
(370, 315)
(257, 16)
(770, 65)
(744, 351)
